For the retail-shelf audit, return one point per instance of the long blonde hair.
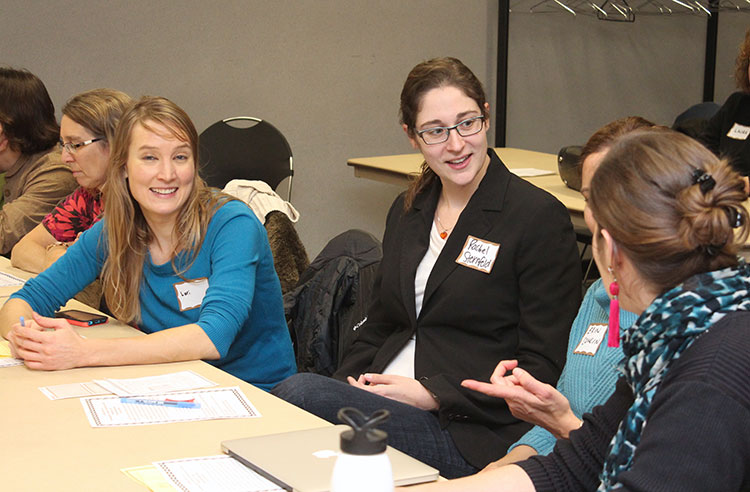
(127, 231)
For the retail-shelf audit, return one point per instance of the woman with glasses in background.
(476, 263)
(86, 130)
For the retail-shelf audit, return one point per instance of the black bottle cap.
(363, 438)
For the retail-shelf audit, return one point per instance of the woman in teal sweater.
(589, 375)
(189, 266)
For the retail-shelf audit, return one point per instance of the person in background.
(670, 220)
(35, 178)
(727, 132)
(590, 374)
(86, 130)
(189, 265)
(477, 263)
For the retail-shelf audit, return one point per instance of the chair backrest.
(259, 151)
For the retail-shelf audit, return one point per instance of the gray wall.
(328, 73)
(570, 75)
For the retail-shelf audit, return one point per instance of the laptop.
(302, 461)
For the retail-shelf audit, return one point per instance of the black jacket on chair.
(330, 302)
(470, 320)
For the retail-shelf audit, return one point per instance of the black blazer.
(470, 320)
(716, 137)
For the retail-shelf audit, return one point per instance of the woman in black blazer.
(727, 132)
(478, 266)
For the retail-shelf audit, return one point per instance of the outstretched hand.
(399, 388)
(47, 344)
(528, 399)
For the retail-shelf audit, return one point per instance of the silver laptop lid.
(302, 461)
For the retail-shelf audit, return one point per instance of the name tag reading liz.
(190, 294)
(478, 254)
(739, 132)
(591, 340)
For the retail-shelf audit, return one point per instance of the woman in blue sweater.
(189, 266)
(590, 374)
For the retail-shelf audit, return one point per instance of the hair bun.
(713, 209)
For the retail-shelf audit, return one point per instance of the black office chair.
(258, 151)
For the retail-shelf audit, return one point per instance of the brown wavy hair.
(645, 195)
(428, 75)
(604, 136)
(98, 110)
(127, 231)
(741, 64)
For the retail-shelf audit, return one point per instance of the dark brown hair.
(645, 194)
(26, 112)
(428, 75)
(741, 77)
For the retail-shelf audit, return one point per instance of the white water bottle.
(362, 465)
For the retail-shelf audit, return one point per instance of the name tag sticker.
(739, 132)
(190, 294)
(591, 340)
(478, 254)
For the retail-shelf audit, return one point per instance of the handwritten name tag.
(591, 340)
(478, 254)
(739, 132)
(190, 294)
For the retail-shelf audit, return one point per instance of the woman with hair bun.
(670, 220)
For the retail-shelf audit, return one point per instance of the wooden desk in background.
(49, 444)
(397, 169)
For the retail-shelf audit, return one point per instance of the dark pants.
(410, 430)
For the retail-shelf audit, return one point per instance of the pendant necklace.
(445, 230)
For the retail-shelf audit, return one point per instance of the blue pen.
(165, 403)
(23, 321)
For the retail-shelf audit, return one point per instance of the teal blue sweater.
(586, 381)
(242, 311)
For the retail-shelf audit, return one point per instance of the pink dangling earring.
(613, 331)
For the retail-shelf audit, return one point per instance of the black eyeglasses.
(440, 134)
(72, 147)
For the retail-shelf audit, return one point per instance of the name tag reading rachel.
(190, 294)
(478, 254)
(739, 132)
(591, 340)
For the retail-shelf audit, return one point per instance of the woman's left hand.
(61, 348)
(399, 388)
